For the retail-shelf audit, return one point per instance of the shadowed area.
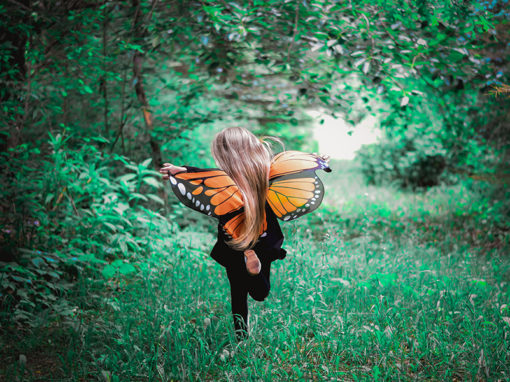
(396, 268)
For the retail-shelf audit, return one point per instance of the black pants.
(242, 284)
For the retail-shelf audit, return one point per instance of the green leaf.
(90, 258)
(126, 178)
(126, 269)
(111, 226)
(117, 263)
(131, 167)
(146, 162)
(121, 207)
(108, 271)
(156, 198)
(38, 262)
(152, 182)
(137, 196)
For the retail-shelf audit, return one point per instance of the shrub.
(67, 215)
(409, 163)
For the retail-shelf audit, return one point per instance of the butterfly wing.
(292, 162)
(294, 187)
(209, 191)
(233, 227)
(213, 193)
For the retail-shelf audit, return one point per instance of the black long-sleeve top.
(269, 245)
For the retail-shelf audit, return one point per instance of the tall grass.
(378, 284)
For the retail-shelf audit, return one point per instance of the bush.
(67, 215)
(410, 165)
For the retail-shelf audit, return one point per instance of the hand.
(324, 157)
(169, 169)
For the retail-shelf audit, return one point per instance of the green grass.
(378, 284)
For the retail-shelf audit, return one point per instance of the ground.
(378, 284)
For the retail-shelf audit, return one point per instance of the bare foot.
(253, 265)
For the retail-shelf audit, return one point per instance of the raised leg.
(252, 262)
(260, 285)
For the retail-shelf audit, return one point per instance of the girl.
(250, 191)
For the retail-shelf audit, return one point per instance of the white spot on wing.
(286, 218)
(181, 188)
(188, 195)
(173, 181)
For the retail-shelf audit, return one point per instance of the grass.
(378, 284)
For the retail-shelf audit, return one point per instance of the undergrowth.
(377, 284)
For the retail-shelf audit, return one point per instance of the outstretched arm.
(170, 169)
(325, 158)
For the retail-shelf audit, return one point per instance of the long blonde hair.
(247, 160)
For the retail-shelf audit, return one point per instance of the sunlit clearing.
(340, 140)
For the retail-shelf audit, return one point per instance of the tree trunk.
(139, 32)
(104, 81)
(12, 85)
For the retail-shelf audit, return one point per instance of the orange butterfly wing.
(214, 193)
(211, 192)
(292, 162)
(234, 226)
(294, 188)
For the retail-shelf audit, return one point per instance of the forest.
(403, 271)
